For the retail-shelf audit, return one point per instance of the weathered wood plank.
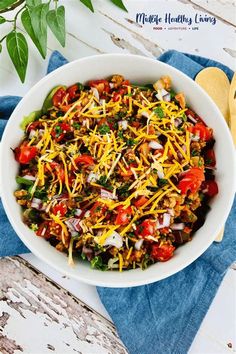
(224, 10)
(37, 315)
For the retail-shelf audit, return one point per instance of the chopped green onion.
(22, 180)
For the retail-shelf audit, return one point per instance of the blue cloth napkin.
(163, 317)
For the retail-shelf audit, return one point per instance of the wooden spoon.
(215, 82)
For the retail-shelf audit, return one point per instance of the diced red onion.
(36, 203)
(194, 137)
(85, 123)
(29, 177)
(73, 224)
(78, 212)
(76, 224)
(69, 225)
(92, 177)
(158, 225)
(138, 244)
(102, 101)
(191, 118)
(177, 122)
(160, 174)
(155, 145)
(43, 231)
(123, 124)
(179, 154)
(184, 148)
(159, 95)
(164, 92)
(114, 239)
(167, 98)
(166, 220)
(145, 114)
(95, 93)
(171, 212)
(179, 226)
(32, 133)
(205, 190)
(41, 132)
(107, 194)
(111, 85)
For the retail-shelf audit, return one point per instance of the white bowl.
(140, 70)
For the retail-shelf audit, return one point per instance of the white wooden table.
(38, 315)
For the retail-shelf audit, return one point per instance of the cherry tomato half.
(210, 158)
(85, 160)
(127, 173)
(123, 216)
(162, 253)
(146, 228)
(34, 125)
(59, 208)
(58, 97)
(140, 201)
(73, 91)
(210, 188)
(25, 153)
(195, 116)
(60, 130)
(44, 230)
(202, 131)
(191, 180)
(98, 209)
(59, 170)
(100, 85)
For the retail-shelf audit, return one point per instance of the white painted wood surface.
(32, 305)
(111, 30)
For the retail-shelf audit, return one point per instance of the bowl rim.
(78, 276)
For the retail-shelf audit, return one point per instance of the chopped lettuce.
(29, 119)
(48, 100)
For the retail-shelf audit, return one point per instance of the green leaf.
(120, 4)
(56, 22)
(4, 4)
(29, 119)
(33, 2)
(35, 23)
(2, 20)
(88, 3)
(48, 100)
(18, 51)
(26, 21)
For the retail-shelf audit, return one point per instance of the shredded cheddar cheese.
(108, 170)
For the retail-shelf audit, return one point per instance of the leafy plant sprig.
(36, 16)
